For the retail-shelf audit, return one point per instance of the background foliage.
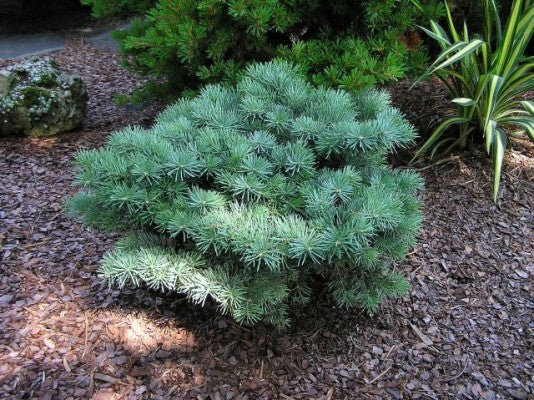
(246, 195)
(183, 44)
(106, 8)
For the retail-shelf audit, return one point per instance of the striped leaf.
(508, 38)
(464, 101)
(440, 130)
(417, 5)
(495, 85)
(499, 147)
(485, 76)
(497, 19)
(524, 122)
(489, 134)
(465, 50)
(444, 55)
(522, 71)
(436, 36)
(450, 21)
(523, 37)
(438, 30)
(529, 106)
(466, 32)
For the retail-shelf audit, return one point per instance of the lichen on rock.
(38, 99)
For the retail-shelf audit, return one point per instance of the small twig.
(171, 390)
(66, 365)
(416, 270)
(329, 394)
(86, 335)
(31, 311)
(32, 245)
(261, 370)
(442, 161)
(7, 347)
(107, 378)
(315, 334)
(91, 381)
(456, 376)
(381, 375)
(285, 396)
(389, 352)
(424, 338)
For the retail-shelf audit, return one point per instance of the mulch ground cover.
(465, 330)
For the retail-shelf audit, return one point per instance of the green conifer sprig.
(243, 195)
(181, 45)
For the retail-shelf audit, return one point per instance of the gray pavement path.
(23, 45)
(15, 46)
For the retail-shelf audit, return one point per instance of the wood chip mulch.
(465, 331)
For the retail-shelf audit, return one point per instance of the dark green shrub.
(107, 8)
(183, 44)
(245, 195)
(352, 63)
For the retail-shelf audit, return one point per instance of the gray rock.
(38, 99)
(6, 78)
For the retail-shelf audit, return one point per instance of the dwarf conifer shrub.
(246, 195)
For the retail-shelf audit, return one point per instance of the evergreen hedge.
(121, 8)
(246, 195)
(184, 44)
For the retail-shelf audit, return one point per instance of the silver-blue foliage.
(245, 195)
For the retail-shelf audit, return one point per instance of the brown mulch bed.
(424, 103)
(463, 332)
